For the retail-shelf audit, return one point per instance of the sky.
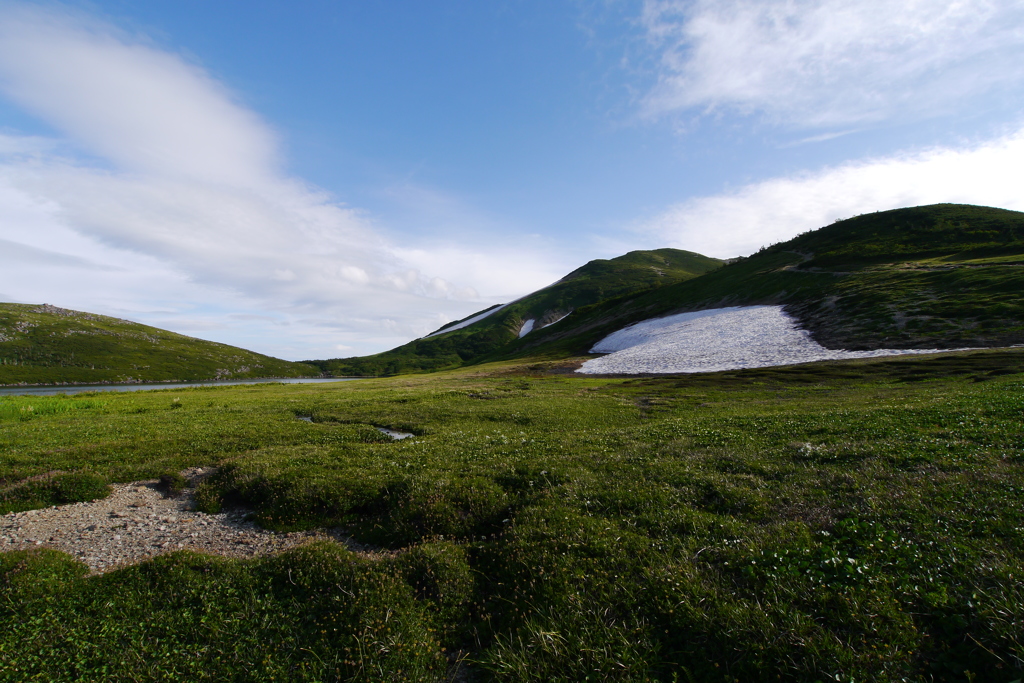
(325, 178)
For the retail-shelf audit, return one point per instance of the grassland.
(42, 344)
(854, 521)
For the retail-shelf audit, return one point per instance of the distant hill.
(43, 344)
(940, 276)
(498, 332)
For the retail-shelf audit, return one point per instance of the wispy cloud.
(831, 62)
(145, 110)
(163, 170)
(740, 222)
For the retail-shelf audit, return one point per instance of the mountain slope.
(50, 345)
(939, 276)
(499, 331)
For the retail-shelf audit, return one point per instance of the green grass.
(861, 520)
(313, 614)
(50, 345)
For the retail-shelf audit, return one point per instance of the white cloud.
(832, 62)
(505, 272)
(145, 110)
(740, 222)
(182, 202)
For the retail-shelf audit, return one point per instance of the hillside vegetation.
(50, 345)
(498, 333)
(840, 521)
(941, 276)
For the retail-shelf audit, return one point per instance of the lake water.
(79, 388)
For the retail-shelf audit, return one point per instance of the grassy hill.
(50, 345)
(498, 333)
(940, 276)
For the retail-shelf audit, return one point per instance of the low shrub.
(207, 498)
(432, 506)
(58, 488)
(440, 574)
(315, 613)
(173, 484)
(30, 574)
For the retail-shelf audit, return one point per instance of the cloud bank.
(738, 223)
(831, 62)
(167, 199)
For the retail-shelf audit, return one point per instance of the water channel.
(51, 390)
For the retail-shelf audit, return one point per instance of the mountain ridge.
(597, 280)
(935, 276)
(854, 285)
(45, 344)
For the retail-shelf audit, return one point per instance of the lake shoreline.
(83, 387)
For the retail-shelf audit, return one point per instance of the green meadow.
(854, 521)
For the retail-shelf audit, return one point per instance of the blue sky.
(323, 179)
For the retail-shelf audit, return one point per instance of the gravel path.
(137, 522)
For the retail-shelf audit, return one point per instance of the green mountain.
(940, 276)
(50, 345)
(498, 333)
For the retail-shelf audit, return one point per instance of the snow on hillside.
(559, 318)
(526, 328)
(468, 321)
(716, 339)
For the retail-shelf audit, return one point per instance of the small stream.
(396, 435)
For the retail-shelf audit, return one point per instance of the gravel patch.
(138, 522)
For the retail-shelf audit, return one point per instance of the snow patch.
(468, 321)
(526, 328)
(717, 339)
(561, 317)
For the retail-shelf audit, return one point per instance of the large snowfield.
(716, 339)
